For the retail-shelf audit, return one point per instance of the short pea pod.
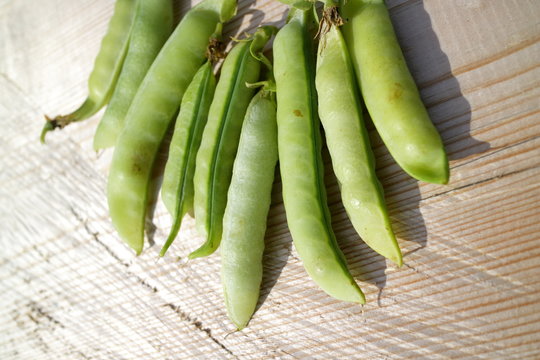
(301, 167)
(390, 94)
(248, 202)
(348, 143)
(151, 113)
(177, 188)
(216, 154)
(107, 66)
(151, 28)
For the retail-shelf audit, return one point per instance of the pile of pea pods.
(229, 132)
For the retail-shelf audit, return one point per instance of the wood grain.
(470, 286)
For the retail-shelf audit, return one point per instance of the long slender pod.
(107, 66)
(151, 28)
(151, 113)
(390, 94)
(299, 145)
(177, 189)
(248, 202)
(219, 144)
(348, 141)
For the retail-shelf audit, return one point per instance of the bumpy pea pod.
(348, 141)
(390, 94)
(299, 145)
(215, 158)
(106, 69)
(151, 28)
(151, 113)
(177, 188)
(248, 202)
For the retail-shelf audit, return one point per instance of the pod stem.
(51, 124)
(87, 109)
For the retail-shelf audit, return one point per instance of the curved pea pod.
(177, 188)
(216, 154)
(106, 69)
(348, 143)
(248, 202)
(151, 28)
(151, 113)
(390, 94)
(301, 167)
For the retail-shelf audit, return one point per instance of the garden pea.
(348, 142)
(248, 202)
(177, 189)
(106, 69)
(151, 113)
(219, 143)
(390, 94)
(301, 167)
(151, 28)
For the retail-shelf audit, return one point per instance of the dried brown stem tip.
(330, 17)
(215, 50)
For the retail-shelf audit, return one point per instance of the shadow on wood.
(440, 90)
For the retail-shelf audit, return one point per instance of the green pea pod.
(220, 138)
(248, 202)
(299, 4)
(106, 69)
(177, 189)
(151, 113)
(299, 145)
(151, 28)
(390, 94)
(348, 142)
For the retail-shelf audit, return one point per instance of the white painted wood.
(70, 289)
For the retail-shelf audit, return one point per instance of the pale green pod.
(348, 143)
(219, 144)
(151, 113)
(177, 189)
(299, 4)
(248, 202)
(390, 94)
(300, 159)
(107, 67)
(151, 28)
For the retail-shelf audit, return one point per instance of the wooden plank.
(469, 290)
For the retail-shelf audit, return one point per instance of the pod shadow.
(180, 8)
(441, 92)
(156, 179)
(364, 264)
(278, 242)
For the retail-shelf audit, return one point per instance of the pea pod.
(106, 69)
(299, 145)
(151, 113)
(151, 28)
(248, 202)
(348, 142)
(220, 137)
(299, 4)
(177, 189)
(390, 94)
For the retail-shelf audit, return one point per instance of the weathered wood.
(469, 288)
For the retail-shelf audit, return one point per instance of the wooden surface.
(69, 289)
